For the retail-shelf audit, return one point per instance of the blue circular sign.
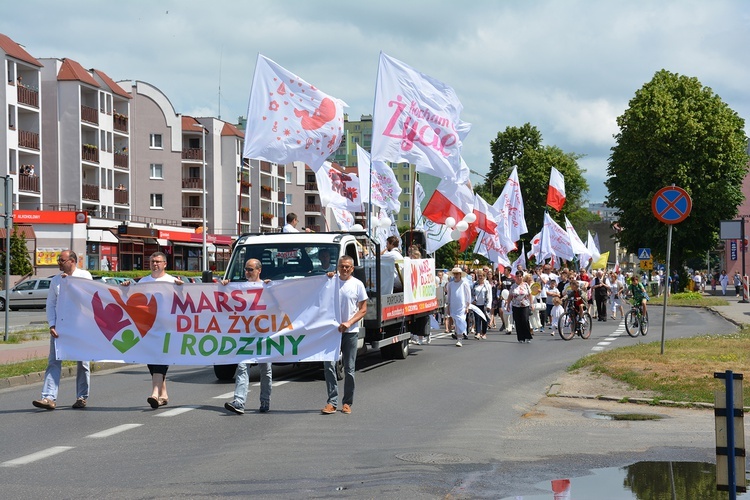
(671, 205)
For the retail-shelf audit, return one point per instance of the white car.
(27, 294)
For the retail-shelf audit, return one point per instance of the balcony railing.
(313, 228)
(244, 216)
(311, 186)
(192, 212)
(121, 196)
(120, 122)
(90, 153)
(265, 193)
(28, 183)
(192, 154)
(280, 170)
(90, 115)
(28, 96)
(90, 192)
(28, 139)
(192, 183)
(281, 196)
(265, 167)
(121, 161)
(309, 207)
(266, 221)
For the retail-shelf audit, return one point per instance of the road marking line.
(611, 338)
(225, 396)
(177, 411)
(274, 384)
(603, 343)
(114, 430)
(597, 348)
(39, 455)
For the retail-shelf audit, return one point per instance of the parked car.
(27, 294)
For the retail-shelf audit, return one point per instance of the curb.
(67, 371)
(625, 399)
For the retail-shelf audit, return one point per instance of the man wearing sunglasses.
(68, 265)
(252, 274)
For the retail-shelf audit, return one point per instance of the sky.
(567, 67)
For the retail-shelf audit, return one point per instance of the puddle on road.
(641, 480)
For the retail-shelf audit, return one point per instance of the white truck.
(392, 315)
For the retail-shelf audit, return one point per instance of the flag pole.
(413, 197)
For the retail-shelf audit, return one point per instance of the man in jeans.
(252, 273)
(68, 265)
(352, 306)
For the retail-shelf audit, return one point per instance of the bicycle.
(569, 325)
(636, 321)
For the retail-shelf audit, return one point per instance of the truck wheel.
(386, 352)
(401, 350)
(225, 372)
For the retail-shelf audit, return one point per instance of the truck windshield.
(284, 260)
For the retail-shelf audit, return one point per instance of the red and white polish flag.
(556, 190)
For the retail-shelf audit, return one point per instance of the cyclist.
(578, 305)
(638, 293)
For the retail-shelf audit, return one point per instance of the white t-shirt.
(388, 270)
(150, 279)
(288, 228)
(349, 294)
(459, 297)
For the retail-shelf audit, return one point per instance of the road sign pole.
(743, 249)
(666, 288)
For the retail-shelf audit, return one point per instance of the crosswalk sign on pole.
(644, 254)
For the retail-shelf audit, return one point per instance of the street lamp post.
(204, 252)
(492, 186)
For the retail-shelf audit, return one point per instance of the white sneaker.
(459, 344)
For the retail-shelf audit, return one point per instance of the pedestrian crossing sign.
(644, 253)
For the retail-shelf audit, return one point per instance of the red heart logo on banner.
(109, 319)
(140, 309)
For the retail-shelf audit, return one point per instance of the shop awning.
(186, 244)
(101, 235)
(162, 242)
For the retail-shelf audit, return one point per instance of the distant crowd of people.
(28, 170)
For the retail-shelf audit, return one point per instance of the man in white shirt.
(291, 224)
(68, 265)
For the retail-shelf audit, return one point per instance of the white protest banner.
(288, 119)
(419, 288)
(206, 324)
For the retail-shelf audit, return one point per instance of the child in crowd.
(556, 313)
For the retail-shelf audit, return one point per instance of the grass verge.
(26, 367)
(685, 372)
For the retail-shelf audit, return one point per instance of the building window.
(157, 200)
(155, 141)
(288, 177)
(406, 190)
(288, 199)
(405, 204)
(405, 217)
(405, 177)
(156, 171)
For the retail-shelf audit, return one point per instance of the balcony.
(28, 183)
(281, 196)
(192, 154)
(89, 152)
(266, 221)
(310, 207)
(121, 161)
(311, 186)
(120, 122)
(192, 213)
(265, 192)
(121, 196)
(313, 228)
(90, 192)
(28, 97)
(90, 115)
(244, 215)
(28, 139)
(265, 167)
(280, 171)
(192, 183)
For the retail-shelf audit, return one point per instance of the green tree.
(20, 264)
(522, 147)
(676, 131)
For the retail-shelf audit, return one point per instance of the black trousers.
(521, 320)
(601, 307)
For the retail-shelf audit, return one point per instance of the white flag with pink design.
(384, 189)
(510, 206)
(289, 119)
(344, 218)
(338, 189)
(417, 120)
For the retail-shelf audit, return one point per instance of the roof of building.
(116, 89)
(73, 71)
(16, 51)
(230, 129)
(190, 124)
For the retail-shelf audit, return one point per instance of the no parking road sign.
(671, 205)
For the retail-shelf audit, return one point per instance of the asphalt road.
(447, 421)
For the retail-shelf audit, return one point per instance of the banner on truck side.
(202, 324)
(419, 289)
